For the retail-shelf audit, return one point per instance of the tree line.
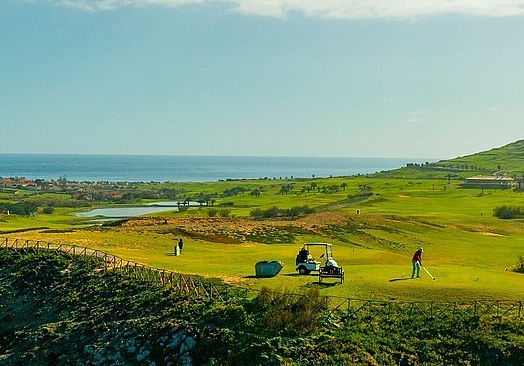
(508, 212)
(275, 212)
(22, 208)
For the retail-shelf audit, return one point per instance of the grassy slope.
(508, 159)
(61, 312)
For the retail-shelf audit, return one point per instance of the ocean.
(162, 168)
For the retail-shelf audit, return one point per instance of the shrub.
(507, 212)
(519, 267)
(274, 212)
(224, 212)
(290, 311)
(48, 210)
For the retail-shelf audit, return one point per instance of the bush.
(507, 212)
(48, 210)
(275, 212)
(289, 311)
(224, 212)
(212, 212)
(519, 267)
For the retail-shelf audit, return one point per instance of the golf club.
(430, 275)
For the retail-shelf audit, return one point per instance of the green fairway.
(465, 247)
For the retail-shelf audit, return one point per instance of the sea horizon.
(188, 168)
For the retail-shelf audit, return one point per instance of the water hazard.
(122, 212)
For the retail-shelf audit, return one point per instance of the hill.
(507, 159)
(57, 310)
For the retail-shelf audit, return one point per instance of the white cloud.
(420, 112)
(417, 116)
(412, 120)
(341, 9)
(105, 5)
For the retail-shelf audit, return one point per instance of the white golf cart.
(305, 263)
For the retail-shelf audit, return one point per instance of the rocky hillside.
(56, 310)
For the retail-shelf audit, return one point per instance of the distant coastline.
(180, 168)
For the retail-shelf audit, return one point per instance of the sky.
(431, 79)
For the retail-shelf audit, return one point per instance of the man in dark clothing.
(417, 262)
(180, 245)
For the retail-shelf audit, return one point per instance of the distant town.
(88, 191)
(62, 184)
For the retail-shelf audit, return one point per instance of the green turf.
(466, 248)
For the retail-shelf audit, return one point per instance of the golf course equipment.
(430, 275)
(306, 263)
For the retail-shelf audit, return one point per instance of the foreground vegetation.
(60, 311)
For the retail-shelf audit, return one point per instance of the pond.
(148, 208)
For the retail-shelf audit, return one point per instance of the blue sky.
(360, 78)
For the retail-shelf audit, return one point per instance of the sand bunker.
(487, 233)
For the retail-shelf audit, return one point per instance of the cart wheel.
(303, 271)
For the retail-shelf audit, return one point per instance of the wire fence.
(492, 310)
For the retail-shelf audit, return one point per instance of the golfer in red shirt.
(417, 263)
